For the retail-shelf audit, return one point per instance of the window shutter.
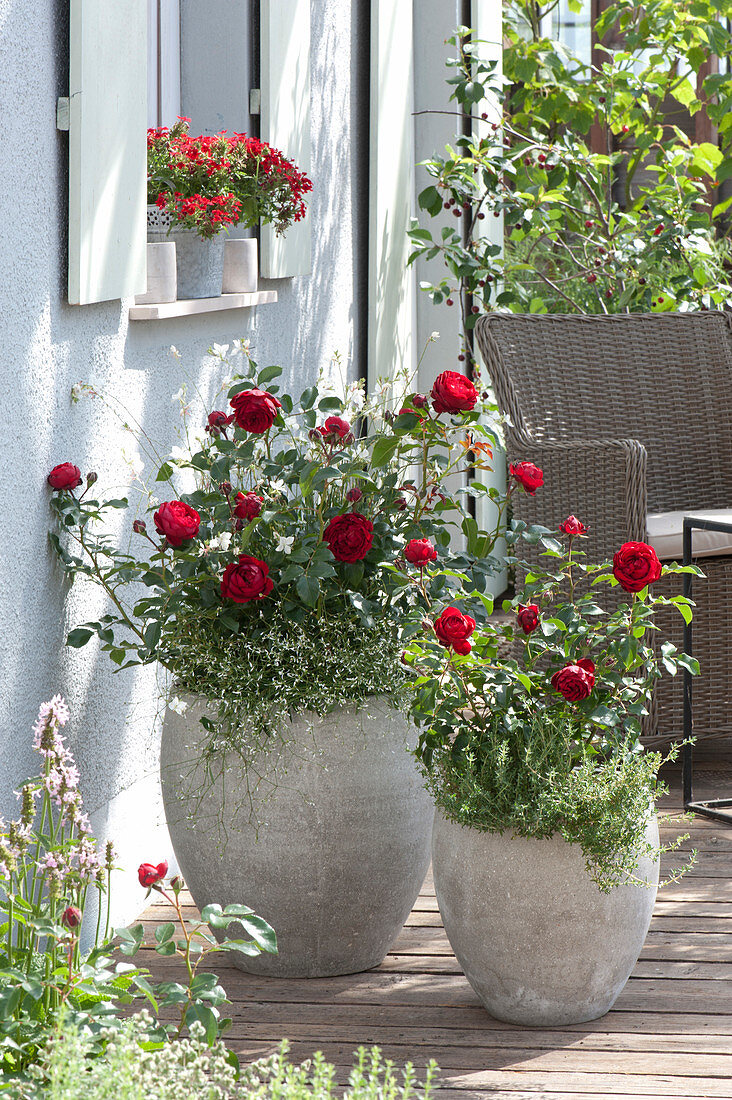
(107, 149)
(285, 120)
(391, 185)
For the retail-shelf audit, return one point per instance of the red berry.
(527, 161)
(481, 282)
(457, 212)
(481, 216)
(608, 293)
(461, 357)
(446, 205)
(484, 115)
(476, 309)
(592, 278)
(589, 224)
(449, 302)
(642, 282)
(626, 129)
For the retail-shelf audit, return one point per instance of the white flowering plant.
(280, 582)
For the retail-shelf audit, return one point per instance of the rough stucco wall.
(47, 346)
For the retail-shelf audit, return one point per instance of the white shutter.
(391, 188)
(107, 149)
(487, 21)
(285, 120)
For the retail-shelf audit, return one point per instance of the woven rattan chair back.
(663, 379)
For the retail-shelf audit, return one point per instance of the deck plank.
(669, 1036)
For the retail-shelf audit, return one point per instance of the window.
(163, 62)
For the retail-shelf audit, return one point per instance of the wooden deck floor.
(669, 1035)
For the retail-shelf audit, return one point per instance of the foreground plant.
(533, 724)
(191, 1070)
(198, 1001)
(49, 861)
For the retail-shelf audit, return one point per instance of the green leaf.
(267, 375)
(384, 450)
(79, 637)
(307, 398)
(202, 1014)
(165, 472)
(308, 590)
(164, 932)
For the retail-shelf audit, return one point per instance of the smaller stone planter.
(200, 263)
(162, 283)
(241, 265)
(158, 224)
(540, 944)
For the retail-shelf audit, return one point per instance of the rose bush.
(273, 584)
(523, 718)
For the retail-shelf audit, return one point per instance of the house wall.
(47, 346)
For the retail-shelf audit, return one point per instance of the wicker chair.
(630, 415)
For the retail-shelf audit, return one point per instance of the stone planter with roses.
(545, 845)
(280, 594)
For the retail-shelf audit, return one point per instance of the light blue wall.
(47, 346)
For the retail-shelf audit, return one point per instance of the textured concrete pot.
(162, 283)
(241, 265)
(342, 842)
(538, 941)
(199, 262)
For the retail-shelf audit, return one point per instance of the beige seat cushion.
(665, 534)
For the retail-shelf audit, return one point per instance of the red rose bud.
(139, 527)
(248, 506)
(349, 439)
(245, 580)
(528, 617)
(71, 917)
(572, 526)
(350, 536)
(64, 476)
(255, 410)
(400, 504)
(225, 488)
(635, 565)
(217, 422)
(335, 427)
(420, 552)
(354, 495)
(576, 681)
(453, 392)
(177, 521)
(529, 476)
(177, 884)
(91, 477)
(453, 630)
(420, 400)
(150, 874)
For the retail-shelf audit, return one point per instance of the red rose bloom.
(575, 681)
(529, 476)
(354, 495)
(177, 521)
(419, 552)
(149, 874)
(248, 506)
(349, 536)
(64, 476)
(335, 427)
(255, 410)
(453, 392)
(528, 617)
(572, 526)
(453, 630)
(71, 917)
(635, 565)
(245, 580)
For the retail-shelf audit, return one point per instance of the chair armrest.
(601, 481)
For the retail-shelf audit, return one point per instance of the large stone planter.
(540, 944)
(334, 848)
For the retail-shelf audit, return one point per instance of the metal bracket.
(63, 113)
(255, 101)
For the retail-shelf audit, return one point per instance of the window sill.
(189, 307)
